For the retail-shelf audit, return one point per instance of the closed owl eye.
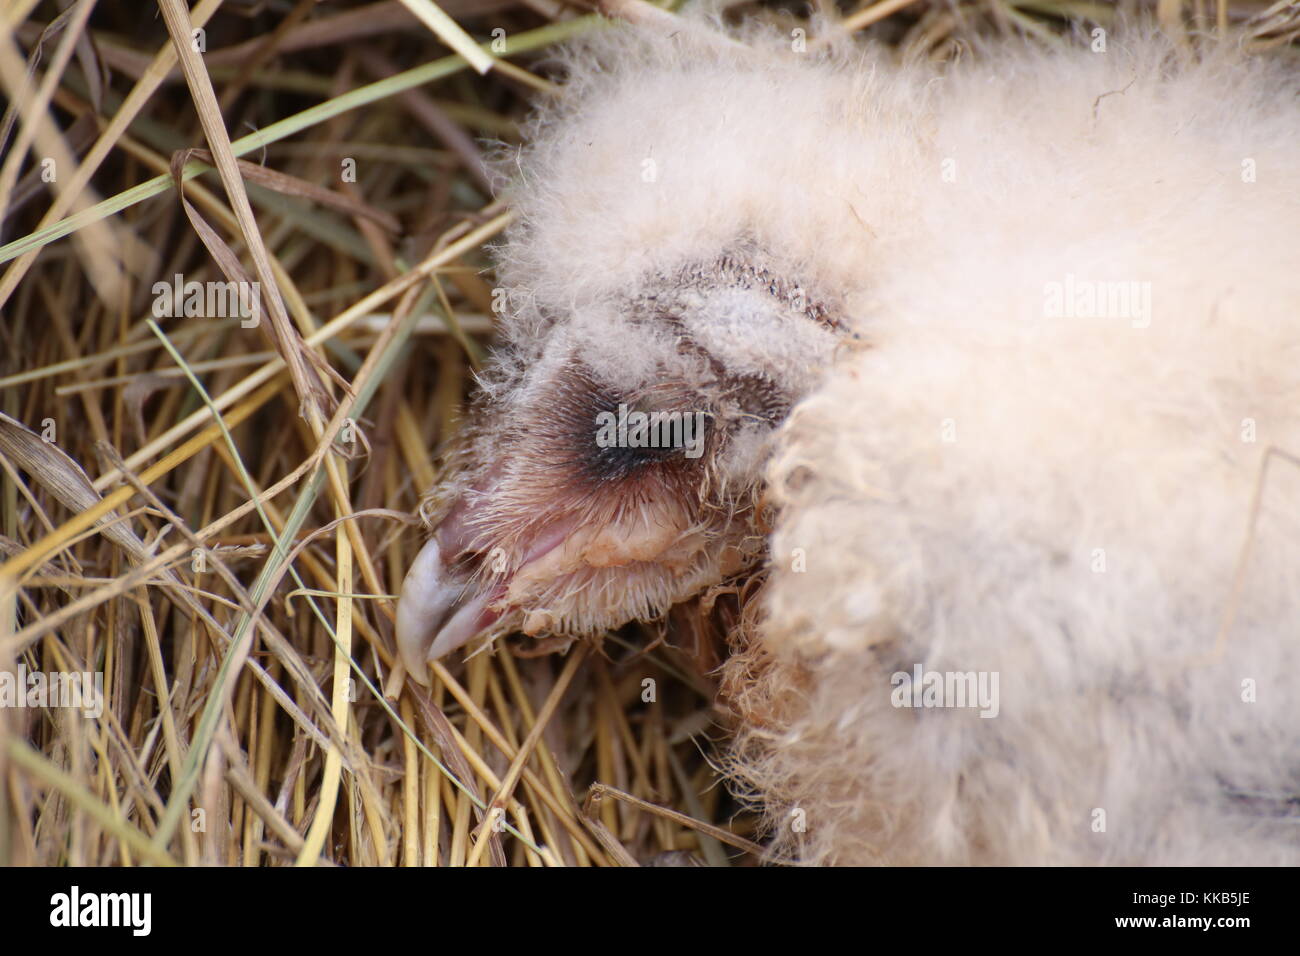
(590, 431)
(630, 436)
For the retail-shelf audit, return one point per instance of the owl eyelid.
(631, 427)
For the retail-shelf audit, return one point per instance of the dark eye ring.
(626, 437)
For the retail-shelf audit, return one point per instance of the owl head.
(610, 464)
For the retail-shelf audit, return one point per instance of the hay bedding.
(215, 518)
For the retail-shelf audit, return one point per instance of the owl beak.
(452, 593)
(439, 610)
(466, 581)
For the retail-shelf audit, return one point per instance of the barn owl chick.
(1009, 345)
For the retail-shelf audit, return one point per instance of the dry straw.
(215, 518)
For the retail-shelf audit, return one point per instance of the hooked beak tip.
(420, 608)
(436, 612)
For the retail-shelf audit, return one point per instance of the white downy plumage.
(1047, 450)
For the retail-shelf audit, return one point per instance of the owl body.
(1029, 330)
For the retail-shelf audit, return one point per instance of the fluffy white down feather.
(977, 484)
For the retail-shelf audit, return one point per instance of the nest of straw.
(209, 520)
